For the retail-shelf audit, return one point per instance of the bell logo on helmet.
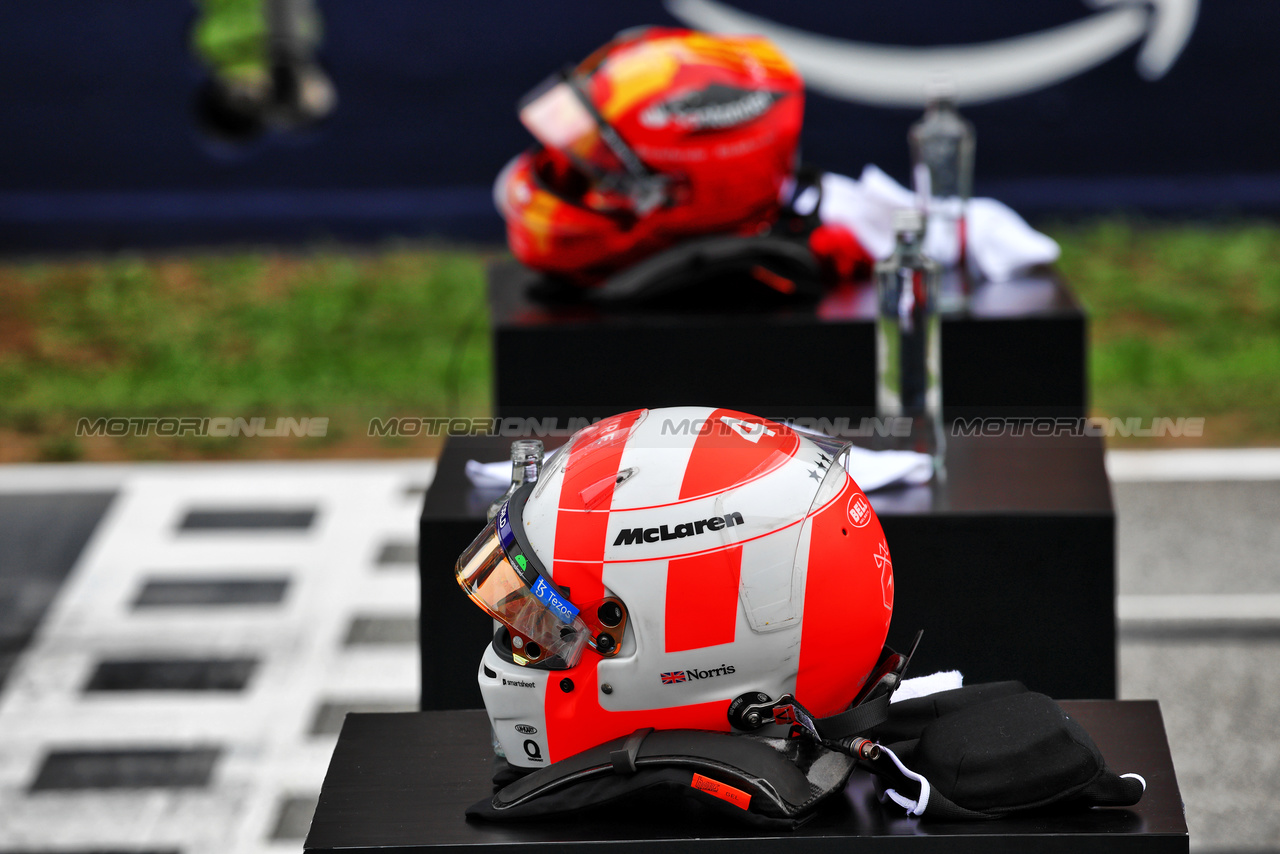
(635, 536)
(859, 510)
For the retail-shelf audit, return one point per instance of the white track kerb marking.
(1219, 464)
(1210, 465)
(266, 750)
(1192, 608)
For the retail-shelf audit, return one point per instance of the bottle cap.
(940, 88)
(524, 450)
(907, 221)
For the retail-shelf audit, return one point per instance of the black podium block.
(400, 782)
(1008, 566)
(1018, 351)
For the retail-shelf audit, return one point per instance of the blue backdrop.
(100, 147)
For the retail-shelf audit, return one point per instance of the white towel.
(873, 470)
(923, 686)
(1000, 242)
(870, 469)
(489, 475)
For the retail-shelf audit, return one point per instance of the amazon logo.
(900, 76)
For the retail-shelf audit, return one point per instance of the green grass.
(1184, 321)
(348, 336)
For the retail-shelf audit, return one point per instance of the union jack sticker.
(673, 677)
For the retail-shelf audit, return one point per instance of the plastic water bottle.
(526, 465)
(909, 339)
(942, 149)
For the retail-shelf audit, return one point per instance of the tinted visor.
(562, 117)
(558, 118)
(545, 626)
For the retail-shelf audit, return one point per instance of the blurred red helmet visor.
(564, 120)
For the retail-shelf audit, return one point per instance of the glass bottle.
(943, 141)
(942, 149)
(526, 465)
(909, 342)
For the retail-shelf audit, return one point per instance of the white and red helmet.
(667, 562)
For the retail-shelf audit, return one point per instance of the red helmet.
(660, 135)
(667, 563)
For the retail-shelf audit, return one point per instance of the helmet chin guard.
(680, 558)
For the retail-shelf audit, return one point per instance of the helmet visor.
(562, 117)
(545, 626)
(558, 118)
(771, 584)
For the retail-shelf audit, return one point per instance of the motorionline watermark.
(517, 428)
(752, 428)
(411, 426)
(216, 426)
(1096, 426)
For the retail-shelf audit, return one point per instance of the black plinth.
(1008, 566)
(1018, 351)
(401, 782)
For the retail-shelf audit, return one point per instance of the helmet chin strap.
(841, 731)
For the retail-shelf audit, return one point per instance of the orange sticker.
(737, 797)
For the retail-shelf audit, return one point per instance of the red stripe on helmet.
(702, 599)
(590, 475)
(732, 448)
(571, 704)
(846, 616)
(575, 721)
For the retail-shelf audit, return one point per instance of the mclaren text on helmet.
(634, 536)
